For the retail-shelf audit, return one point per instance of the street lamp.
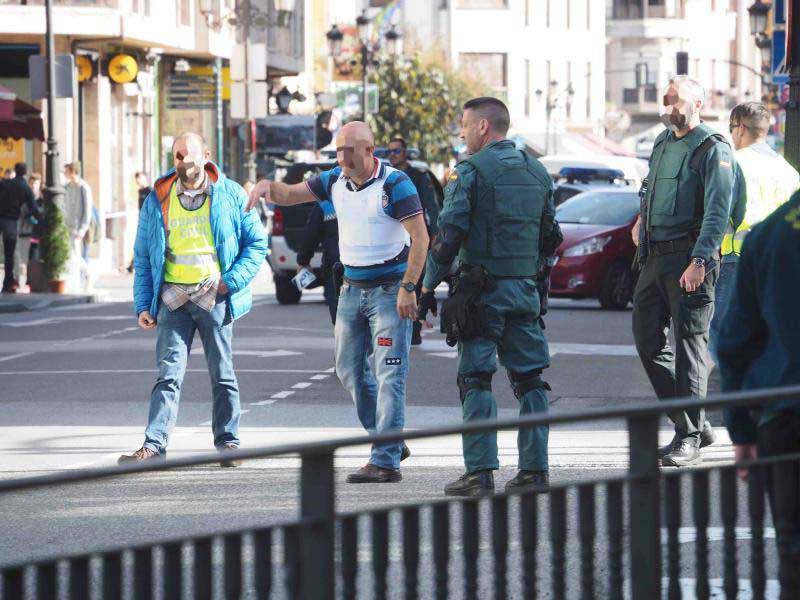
(367, 52)
(758, 16)
(335, 37)
(764, 44)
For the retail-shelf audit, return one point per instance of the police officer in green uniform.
(498, 213)
(685, 214)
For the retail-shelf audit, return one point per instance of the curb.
(20, 305)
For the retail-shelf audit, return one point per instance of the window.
(588, 91)
(141, 7)
(527, 88)
(628, 9)
(482, 4)
(569, 87)
(185, 12)
(491, 67)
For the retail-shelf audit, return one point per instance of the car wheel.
(617, 288)
(285, 290)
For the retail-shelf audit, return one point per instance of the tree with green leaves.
(421, 101)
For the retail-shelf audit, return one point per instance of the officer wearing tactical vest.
(498, 219)
(686, 211)
(768, 181)
(197, 250)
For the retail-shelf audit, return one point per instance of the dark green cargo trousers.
(657, 301)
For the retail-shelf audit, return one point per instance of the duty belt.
(671, 246)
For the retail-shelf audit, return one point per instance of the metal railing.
(325, 554)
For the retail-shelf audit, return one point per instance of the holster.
(463, 316)
(543, 287)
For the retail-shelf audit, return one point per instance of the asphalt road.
(74, 388)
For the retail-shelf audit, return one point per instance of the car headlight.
(590, 246)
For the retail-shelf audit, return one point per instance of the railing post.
(317, 503)
(644, 508)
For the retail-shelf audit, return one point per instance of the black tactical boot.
(683, 454)
(707, 437)
(534, 481)
(479, 483)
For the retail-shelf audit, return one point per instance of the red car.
(595, 258)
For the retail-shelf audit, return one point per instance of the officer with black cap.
(499, 219)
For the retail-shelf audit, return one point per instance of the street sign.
(65, 76)
(780, 74)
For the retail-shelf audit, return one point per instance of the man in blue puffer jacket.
(197, 250)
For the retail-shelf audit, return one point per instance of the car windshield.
(599, 208)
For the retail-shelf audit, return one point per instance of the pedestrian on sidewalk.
(757, 349)
(382, 241)
(398, 158)
(767, 182)
(15, 195)
(687, 207)
(499, 221)
(31, 225)
(143, 190)
(197, 249)
(78, 208)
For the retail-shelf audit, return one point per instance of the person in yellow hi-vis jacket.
(768, 181)
(198, 247)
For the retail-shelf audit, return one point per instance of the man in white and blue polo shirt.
(383, 243)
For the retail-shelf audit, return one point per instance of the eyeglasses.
(396, 150)
(733, 126)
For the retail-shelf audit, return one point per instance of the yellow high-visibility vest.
(191, 256)
(770, 181)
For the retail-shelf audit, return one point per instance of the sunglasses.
(396, 150)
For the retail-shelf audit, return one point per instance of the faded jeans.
(372, 352)
(175, 332)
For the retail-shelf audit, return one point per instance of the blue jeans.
(372, 350)
(174, 343)
(722, 298)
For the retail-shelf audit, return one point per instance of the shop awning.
(18, 119)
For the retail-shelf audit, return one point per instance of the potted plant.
(55, 247)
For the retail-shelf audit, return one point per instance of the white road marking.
(331, 370)
(67, 318)
(717, 589)
(13, 356)
(438, 347)
(319, 377)
(262, 403)
(34, 323)
(122, 371)
(259, 353)
(302, 385)
(283, 394)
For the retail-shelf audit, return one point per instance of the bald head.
(355, 145)
(190, 155)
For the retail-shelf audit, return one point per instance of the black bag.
(464, 312)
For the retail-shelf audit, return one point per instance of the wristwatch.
(698, 262)
(409, 287)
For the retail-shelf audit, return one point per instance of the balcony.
(642, 100)
(286, 41)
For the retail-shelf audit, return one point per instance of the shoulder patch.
(725, 164)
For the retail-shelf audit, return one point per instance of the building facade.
(644, 39)
(150, 69)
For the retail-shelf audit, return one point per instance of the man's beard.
(189, 173)
(675, 121)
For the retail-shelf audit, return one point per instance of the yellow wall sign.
(123, 68)
(11, 152)
(85, 67)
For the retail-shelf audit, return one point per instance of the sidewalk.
(111, 287)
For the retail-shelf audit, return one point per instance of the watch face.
(409, 287)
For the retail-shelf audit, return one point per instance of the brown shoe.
(140, 455)
(373, 474)
(229, 462)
